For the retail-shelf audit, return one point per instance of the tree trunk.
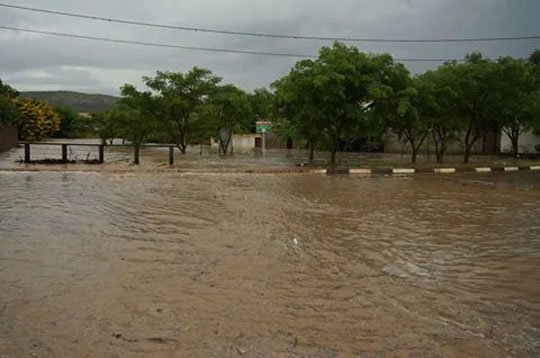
(438, 154)
(442, 151)
(515, 145)
(415, 148)
(333, 155)
(414, 154)
(311, 152)
(181, 147)
(225, 144)
(467, 154)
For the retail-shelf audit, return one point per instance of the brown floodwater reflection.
(173, 265)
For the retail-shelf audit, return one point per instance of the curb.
(408, 171)
(332, 171)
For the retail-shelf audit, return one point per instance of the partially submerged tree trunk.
(181, 147)
(441, 138)
(225, 137)
(471, 137)
(416, 143)
(311, 151)
(333, 155)
(513, 132)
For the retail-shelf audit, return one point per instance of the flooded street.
(192, 265)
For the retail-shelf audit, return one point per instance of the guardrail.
(101, 149)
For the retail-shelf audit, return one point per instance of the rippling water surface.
(171, 265)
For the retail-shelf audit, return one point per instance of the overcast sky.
(40, 62)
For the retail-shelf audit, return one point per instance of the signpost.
(263, 127)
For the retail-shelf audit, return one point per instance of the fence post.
(64, 153)
(27, 152)
(171, 155)
(136, 152)
(101, 156)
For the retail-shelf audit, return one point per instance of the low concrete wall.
(244, 142)
(9, 136)
(240, 142)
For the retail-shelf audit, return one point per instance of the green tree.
(71, 124)
(227, 111)
(534, 63)
(173, 101)
(262, 103)
(106, 126)
(399, 103)
(473, 82)
(336, 91)
(296, 102)
(514, 102)
(436, 99)
(9, 113)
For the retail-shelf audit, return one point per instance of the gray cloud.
(30, 61)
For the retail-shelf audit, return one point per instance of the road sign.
(262, 127)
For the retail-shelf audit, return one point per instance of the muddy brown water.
(172, 265)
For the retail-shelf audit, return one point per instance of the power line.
(194, 48)
(269, 35)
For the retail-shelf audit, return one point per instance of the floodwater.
(190, 265)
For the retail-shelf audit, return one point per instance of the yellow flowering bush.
(38, 119)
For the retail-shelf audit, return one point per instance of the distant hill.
(79, 102)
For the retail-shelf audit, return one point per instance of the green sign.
(262, 128)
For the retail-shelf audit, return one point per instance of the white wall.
(527, 141)
(241, 142)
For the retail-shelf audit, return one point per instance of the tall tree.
(473, 82)
(397, 102)
(296, 101)
(71, 124)
(514, 102)
(435, 104)
(335, 92)
(9, 114)
(105, 126)
(173, 100)
(227, 111)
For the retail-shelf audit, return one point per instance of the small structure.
(8, 136)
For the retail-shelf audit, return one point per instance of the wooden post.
(64, 153)
(101, 153)
(136, 152)
(171, 155)
(26, 152)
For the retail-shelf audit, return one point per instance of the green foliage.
(435, 105)
(9, 113)
(226, 111)
(72, 125)
(262, 103)
(104, 125)
(330, 98)
(173, 101)
(515, 102)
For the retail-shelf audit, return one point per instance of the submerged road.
(167, 265)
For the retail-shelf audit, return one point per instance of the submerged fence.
(101, 149)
